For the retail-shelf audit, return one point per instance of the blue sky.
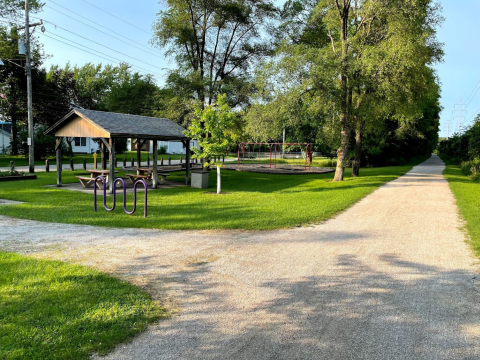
(459, 73)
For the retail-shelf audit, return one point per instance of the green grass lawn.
(467, 194)
(53, 310)
(20, 160)
(252, 201)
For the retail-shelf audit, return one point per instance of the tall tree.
(215, 44)
(373, 67)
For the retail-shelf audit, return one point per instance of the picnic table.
(88, 181)
(147, 175)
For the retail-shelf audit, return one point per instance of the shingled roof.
(123, 125)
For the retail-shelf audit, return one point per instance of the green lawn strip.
(53, 310)
(20, 160)
(467, 194)
(251, 201)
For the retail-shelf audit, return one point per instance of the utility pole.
(28, 70)
(31, 153)
(460, 112)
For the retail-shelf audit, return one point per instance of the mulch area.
(279, 169)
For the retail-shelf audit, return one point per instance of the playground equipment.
(273, 152)
(124, 195)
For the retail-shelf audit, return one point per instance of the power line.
(139, 48)
(83, 17)
(116, 17)
(83, 37)
(472, 92)
(111, 57)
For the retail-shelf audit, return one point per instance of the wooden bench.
(163, 178)
(87, 181)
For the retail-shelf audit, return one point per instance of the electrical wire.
(139, 48)
(83, 17)
(83, 37)
(146, 71)
(116, 17)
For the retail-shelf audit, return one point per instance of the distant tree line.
(350, 77)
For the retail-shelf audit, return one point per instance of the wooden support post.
(112, 160)
(85, 164)
(71, 165)
(104, 157)
(187, 162)
(139, 154)
(148, 161)
(47, 166)
(58, 149)
(155, 165)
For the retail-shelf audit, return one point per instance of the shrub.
(162, 150)
(471, 169)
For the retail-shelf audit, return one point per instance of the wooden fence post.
(71, 165)
(161, 161)
(133, 162)
(47, 166)
(170, 160)
(85, 164)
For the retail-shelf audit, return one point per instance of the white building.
(4, 137)
(84, 145)
(172, 147)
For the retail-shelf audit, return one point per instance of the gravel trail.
(390, 278)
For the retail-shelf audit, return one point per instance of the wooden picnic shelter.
(108, 127)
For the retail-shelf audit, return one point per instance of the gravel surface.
(390, 278)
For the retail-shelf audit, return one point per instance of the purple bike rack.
(124, 195)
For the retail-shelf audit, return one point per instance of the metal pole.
(31, 155)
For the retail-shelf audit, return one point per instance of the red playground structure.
(273, 151)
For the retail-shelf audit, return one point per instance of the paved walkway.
(390, 278)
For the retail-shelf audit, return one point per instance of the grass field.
(20, 160)
(251, 201)
(467, 194)
(52, 310)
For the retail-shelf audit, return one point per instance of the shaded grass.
(254, 201)
(467, 194)
(53, 310)
(20, 160)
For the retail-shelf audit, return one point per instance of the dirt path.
(390, 278)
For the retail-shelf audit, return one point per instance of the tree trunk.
(342, 153)
(345, 99)
(358, 150)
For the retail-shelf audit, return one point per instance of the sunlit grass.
(52, 310)
(253, 201)
(467, 194)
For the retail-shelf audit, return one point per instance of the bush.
(471, 169)
(162, 150)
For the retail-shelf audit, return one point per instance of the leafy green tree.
(211, 127)
(215, 44)
(372, 68)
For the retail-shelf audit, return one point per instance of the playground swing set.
(273, 152)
